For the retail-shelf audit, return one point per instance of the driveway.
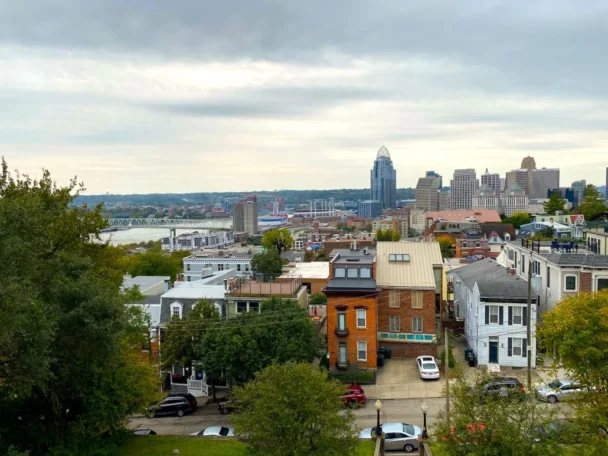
(399, 379)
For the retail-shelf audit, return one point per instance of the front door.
(493, 352)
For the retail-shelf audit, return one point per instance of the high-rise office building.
(429, 194)
(434, 174)
(543, 179)
(486, 197)
(245, 217)
(528, 163)
(579, 191)
(492, 180)
(370, 209)
(606, 182)
(384, 180)
(521, 177)
(514, 199)
(463, 187)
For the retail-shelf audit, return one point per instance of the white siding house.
(492, 301)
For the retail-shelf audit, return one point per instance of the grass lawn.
(157, 445)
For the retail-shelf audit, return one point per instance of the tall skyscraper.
(384, 180)
(492, 180)
(245, 216)
(463, 187)
(434, 174)
(428, 191)
(521, 177)
(528, 163)
(579, 190)
(542, 180)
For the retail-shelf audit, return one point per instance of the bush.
(359, 376)
(451, 359)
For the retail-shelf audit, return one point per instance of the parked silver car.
(397, 436)
(558, 390)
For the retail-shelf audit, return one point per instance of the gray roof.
(351, 285)
(354, 254)
(493, 280)
(144, 282)
(578, 259)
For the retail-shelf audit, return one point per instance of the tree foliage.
(593, 205)
(244, 345)
(294, 410)
(387, 235)
(268, 262)
(71, 362)
(154, 263)
(318, 298)
(279, 239)
(578, 329)
(555, 203)
(446, 244)
(508, 425)
(517, 219)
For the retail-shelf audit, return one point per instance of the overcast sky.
(199, 95)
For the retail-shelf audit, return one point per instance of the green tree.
(386, 235)
(294, 410)
(318, 299)
(268, 262)
(517, 219)
(593, 205)
(248, 343)
(72, 366)
(154, 263)
(554, 203)
(445, 244)
(395, 236)
(501, 426)
(577, 328)
(279, 239)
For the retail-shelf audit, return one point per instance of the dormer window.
(176, 310)
(464, 243)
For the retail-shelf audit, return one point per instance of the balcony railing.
(262, 285)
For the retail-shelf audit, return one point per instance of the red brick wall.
(368, 334)
(410, 350)
(586, 282)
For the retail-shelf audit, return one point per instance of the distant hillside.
(292, 197)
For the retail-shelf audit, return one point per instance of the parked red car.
(354, 396)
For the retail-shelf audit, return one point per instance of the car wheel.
(151, 414)
(180, 413)
(552, 399)
(408, 448)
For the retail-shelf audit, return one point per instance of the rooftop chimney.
(226, 285)
(354, 243)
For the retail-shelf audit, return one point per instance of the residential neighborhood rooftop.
(144, 282)
(493, 280)
(363, 255)
(480, 215)
(407, 264)
(196, 289)
(312, 270)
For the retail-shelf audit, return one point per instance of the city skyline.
(239, 95)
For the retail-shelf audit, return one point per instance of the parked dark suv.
(189, 397)
(503, 387)
(172, 405)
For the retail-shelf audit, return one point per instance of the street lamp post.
(378, 427)
(424, 408)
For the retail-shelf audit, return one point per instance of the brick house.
(351, 308)
(472, 247)
(410, 279)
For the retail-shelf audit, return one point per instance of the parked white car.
(215, 431)
(427, 368)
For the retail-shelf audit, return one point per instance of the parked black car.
(500, 387)
(172, 405)
(144, 432)
(226, 405)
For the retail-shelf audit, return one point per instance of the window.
(417, 324)
(342, 354)
(477, 244)
(361, 351)
(393, 298)
(602, 284)
(464, 244)
(342, 321)
(340, 273)
(535, 267)
(254, 307)
(570, 283)
(494, 314)
(517, 315)
(246, 268)
(352, 273)
(517, 345)
(548, 277)
(238, 267)
(399, 257)
(523, 263)
(220, 267)
(188, 267)
(361, 318)
(365, 273)
(241, 306)
(417, 299)
(394, 324)
(188, 278)
(176, 310)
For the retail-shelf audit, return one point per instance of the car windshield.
(555, 384)
(429, 366)
(408, 429)
(224, 431)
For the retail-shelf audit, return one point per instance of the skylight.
(399, 257)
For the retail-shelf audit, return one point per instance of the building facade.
(384, 180)
(492, 180)
(514, 199)
(196, 241)
(428, 193)
(198, 265)
(370, 209)
(492, 301)
(351, 309)
(521, 177)
(245, 216)
(579, 191)
(409, 277)
(486, 198)
(463, 187)
(543, 179)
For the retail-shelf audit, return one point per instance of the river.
(141, 235)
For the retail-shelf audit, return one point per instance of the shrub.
(451, 359)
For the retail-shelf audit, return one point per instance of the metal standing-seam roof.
(415, 273)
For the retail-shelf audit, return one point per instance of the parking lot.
(399, 379)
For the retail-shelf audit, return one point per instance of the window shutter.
(524, 348)
(524, 316)
(510, 347)
(510, 315)
(500, 315)
(487, 315)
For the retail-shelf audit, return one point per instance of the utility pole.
(529, 328)
(447, 378)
